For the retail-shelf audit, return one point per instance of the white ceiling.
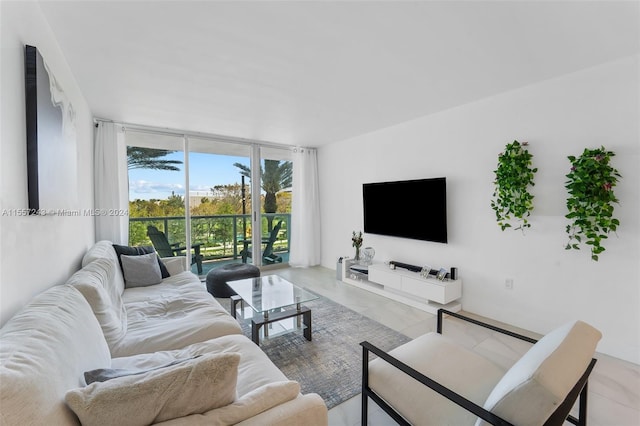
(315, 72)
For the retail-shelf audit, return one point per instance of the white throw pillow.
(141, 271)
(192, 387)
(535, 385)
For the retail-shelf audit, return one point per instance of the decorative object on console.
(367, 255)
(425, 272)
(454, 273)
(408, 267)
(442, 274)
(511, 198)
(590, 185)
(356, 241)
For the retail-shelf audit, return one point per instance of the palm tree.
(276, 176)
(150, 158)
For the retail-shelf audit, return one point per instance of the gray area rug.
(331, 364)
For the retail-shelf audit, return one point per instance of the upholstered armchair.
(432, 380)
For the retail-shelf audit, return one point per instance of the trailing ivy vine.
(512, 201)
(590, 184)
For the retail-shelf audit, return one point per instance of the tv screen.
(415, 209)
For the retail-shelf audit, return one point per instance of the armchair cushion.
(444, 361)
(540, 380)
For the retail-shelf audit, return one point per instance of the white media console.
(427, 294)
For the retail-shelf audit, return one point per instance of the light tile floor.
(614, 386)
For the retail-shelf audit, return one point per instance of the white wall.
(558, 117)
(36, 252)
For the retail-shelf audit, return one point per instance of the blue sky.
(207, 170)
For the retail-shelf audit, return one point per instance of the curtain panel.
(110, 185)
(305, 209)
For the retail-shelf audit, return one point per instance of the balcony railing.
(221, 236)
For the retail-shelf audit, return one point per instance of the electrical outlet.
(508, 283)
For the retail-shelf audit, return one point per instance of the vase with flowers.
(356, 241)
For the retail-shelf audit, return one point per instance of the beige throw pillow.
(192, 387)
(539, 381)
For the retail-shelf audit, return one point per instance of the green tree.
(231, 194)
(276, 176)
(150, 158)
(174, 205)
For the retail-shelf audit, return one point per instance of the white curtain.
(305, 209)
(110, 185)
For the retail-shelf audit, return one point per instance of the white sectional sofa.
(214, 378)
(170, 315)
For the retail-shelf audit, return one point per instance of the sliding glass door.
(219, 200)
(157, 173)
(275, 199)
(210, 192)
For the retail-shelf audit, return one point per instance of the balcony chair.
(165, 249)
(434, 381)
(268, 256)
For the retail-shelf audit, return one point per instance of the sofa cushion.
(255, 369)
(539, 381)
(195, 386)
(44, 351)
(250, 405)
(104, 250)
(173, 287)
(172, 318)
(262, 388)
(141, 270)
(95, 282)
(137, 251)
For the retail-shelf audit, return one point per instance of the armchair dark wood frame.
(558, 417)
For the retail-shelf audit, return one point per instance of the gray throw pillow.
(136, 250)
(141, 270)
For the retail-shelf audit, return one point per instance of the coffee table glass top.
(270, 292)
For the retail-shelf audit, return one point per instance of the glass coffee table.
(269, 297)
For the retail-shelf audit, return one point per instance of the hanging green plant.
(590, 184)
(512, 201)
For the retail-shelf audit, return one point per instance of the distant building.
(195, 197)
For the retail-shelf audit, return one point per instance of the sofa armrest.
(308, 410)
(175, 264)
(278, 403)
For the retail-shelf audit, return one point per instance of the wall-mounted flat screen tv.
(415, 209)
